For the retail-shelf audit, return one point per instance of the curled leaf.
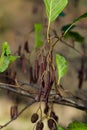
(61, 66)
(38, 36)
(75, 21)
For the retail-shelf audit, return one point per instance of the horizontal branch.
(72, 101)
(16, 89)
(75, 102)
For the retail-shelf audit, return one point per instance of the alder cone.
(34, 117)
(40, 125)
(52, 124)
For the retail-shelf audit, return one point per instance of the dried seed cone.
(34, 117)
(52, 124)
(40, 125)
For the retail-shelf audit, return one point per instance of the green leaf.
(13, 58)
(59, 128)
(75, 36)
(53, 9)
(5, 49)
(61, 66)
(4, 62)
(65, 27)
(6, 57)
(77, 126)
(75, 21)
(38, 36)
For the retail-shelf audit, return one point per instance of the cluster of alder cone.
(42, 73)
(51, 121)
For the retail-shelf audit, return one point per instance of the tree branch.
(73, 101)
(16, 89)
(82, 54)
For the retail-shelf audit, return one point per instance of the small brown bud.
(34, 117)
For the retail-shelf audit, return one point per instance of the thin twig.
(64, 42)
(10, 121)
(82, 54)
